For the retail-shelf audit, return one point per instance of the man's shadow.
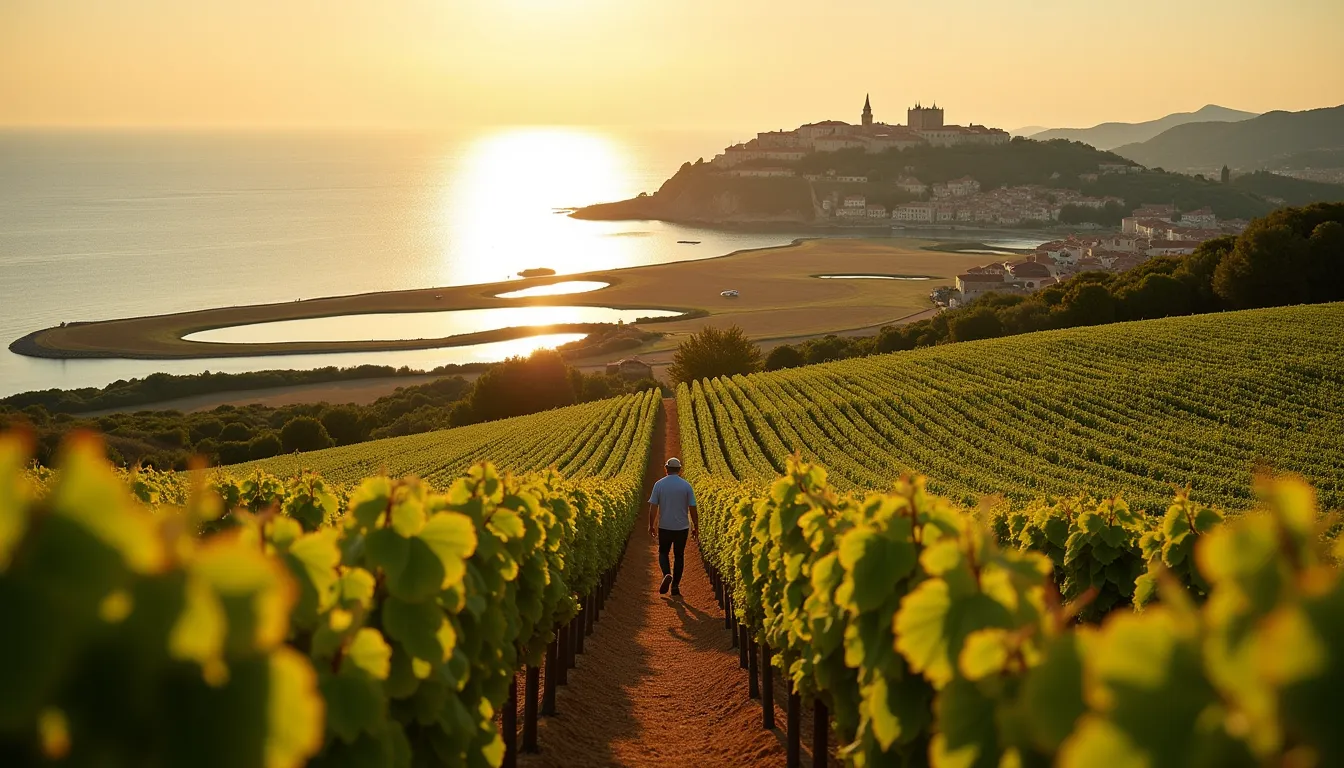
(700, 629)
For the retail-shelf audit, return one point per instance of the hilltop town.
(929, 174)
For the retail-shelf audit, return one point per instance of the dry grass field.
(780, 297)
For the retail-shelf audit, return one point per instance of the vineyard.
(1105, 611)
(290, 621)
(1133, 408)
(1112, 602)
(599, 439)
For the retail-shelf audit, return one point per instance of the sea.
(112, 224)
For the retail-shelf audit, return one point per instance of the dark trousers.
(676, 541)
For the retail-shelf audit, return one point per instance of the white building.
(762, 173)
(911, 185)
(915, 212)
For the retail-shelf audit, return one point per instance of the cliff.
(696, 195)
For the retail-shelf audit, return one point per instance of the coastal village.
(1151, 230)
(1155, 230)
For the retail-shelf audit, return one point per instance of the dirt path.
(658, 683)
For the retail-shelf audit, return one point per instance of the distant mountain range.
(1247, 145)
(1112, 135)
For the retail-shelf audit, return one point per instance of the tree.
(979, 323)
(1089, 304)
(522, 385)
(713, 352)
(1265, 269)
(783, 356)
(343, 424)
(265, 446)
(304, 433)
(236, 431)
(1326, 253)
(1155, 296)
(1225, 176)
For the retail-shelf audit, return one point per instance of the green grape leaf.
(357, 587)
(369, 502)
(408, 516)
(966, 737)
(369, 652)
(873, 565)
(313, 559)
(1098, 742)
(452, 538)
(506, 524)
(355, 705)
(294, 711)
(418, 627)
(1053, 692)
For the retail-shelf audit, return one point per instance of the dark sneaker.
(676, 592)
(667, 582)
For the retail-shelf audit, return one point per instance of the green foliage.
(714, 352)
(932, 642)
(1292, 256)
(586, 440)
(1131, 409)
(380, 628)
(304, 433)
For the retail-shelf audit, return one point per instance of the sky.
(751, 64)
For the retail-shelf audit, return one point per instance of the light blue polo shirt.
(674, 498)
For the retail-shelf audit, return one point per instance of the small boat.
(689, 242)
(729, 294)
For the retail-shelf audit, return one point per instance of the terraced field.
(601, 439)
(1132, 408)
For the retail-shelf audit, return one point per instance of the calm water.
(100, 226)
(554, 289)
(389, 326)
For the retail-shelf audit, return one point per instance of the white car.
(728, 294)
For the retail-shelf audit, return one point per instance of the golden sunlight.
(528, 177)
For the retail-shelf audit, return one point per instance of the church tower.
(867, 112)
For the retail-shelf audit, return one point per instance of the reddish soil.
(658, 683)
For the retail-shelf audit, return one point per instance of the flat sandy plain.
(781, 298)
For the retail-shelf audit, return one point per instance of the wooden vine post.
(767, 689)
(530, 692)
(821, 726)
(509, 725)
(552, 679)
(793, 736)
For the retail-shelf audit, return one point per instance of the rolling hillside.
(595, 439)
(1112, 135)
(1247, 145)
(1131, 408)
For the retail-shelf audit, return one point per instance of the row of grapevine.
(378, 623)
(907, 621)
(1132, 408)
(578, 441)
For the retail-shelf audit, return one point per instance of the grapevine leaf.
(452, 538)
(1053, 692)
(966, 735)
(355, 705)
(873, 565)
(294, 710)
(369, 652)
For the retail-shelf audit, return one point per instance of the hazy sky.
(713, 63)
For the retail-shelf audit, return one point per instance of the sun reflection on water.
(505, 210)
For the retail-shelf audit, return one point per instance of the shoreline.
(159, 337)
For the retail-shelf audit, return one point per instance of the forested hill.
(1250, 144)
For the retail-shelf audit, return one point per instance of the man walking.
(673, 514)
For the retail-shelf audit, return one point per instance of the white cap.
(674, 463)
